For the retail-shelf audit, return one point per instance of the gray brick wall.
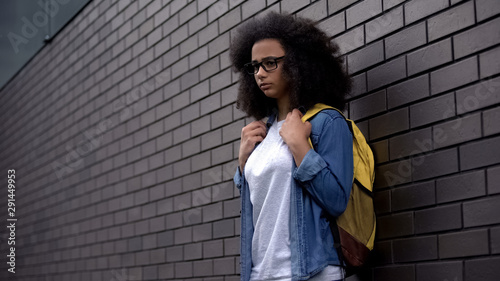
(124, 135)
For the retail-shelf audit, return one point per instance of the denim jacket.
(322, 183)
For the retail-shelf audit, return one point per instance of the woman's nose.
(261, 72)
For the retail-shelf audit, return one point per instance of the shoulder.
(327, 116)
(328, 119)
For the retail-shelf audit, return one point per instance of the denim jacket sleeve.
(239, 178)
(327, 171)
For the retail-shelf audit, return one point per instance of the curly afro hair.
(311, 66)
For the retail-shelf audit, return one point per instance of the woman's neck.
(283, 107)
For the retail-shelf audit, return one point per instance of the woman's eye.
(269, 63)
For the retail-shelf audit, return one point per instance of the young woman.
(288, 189)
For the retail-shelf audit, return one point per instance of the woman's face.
(270, 82)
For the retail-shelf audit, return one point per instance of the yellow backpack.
(355, 228)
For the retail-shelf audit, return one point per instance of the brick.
(222, 191)
(385, 24)
(481, 212)
(150, 272)
(415, 249)
(382, 202)
(382, 253)
(350, 40)
(435, 164)
(182, 134)
(191, 181)
(457, 131)
(291, 6)
(211, 139)
(232, 132)
(485, 269)
(193, 251)
(495, 240)
(203, 268)
(208, 33)
(190, 78)
(463, 186)
(184, 270)
(367, 106)
(202, 5)
(197, 57)
(235, 3)
(380, 151)
(408, 91)
(440, 271)
(333, 25)
(366, 57)
(451, 21)
(480, 153)
(394, 273)
(432, 110)
(213, 248)
(482, 94)
(476, 39)
(191, 147)
(174, 253)
(229, 20)
(413, 196)
(358, 85)
(389, 175)
(405, 40)
(187, 13)
(202, 232)
(316, 11)
(493, 175)
(418, 9)
(389, 123)
(472, 243)
(454, 75)
(489, 63)
(387, 73)
(358, 13)
(222, 117)
(200, 126)
(412, 143)
(201, 161)
(429, 57)
(391, 3)
(224, 266)
(217, 10)
(486, 9)
(249, 9)
(212, 212)
(179, 35)
(336, 5)
(220, 81)
(438, 219)
(224, 228)
(395, 225)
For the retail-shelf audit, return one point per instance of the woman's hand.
(295, 134)
(251, 135)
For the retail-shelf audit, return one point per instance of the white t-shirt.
(268, 172)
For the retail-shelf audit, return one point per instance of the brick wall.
(124, 137)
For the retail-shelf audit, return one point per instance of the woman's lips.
(265, 86)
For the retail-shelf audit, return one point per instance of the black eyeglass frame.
(258, 65)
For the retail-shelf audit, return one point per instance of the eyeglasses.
(267, 64)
